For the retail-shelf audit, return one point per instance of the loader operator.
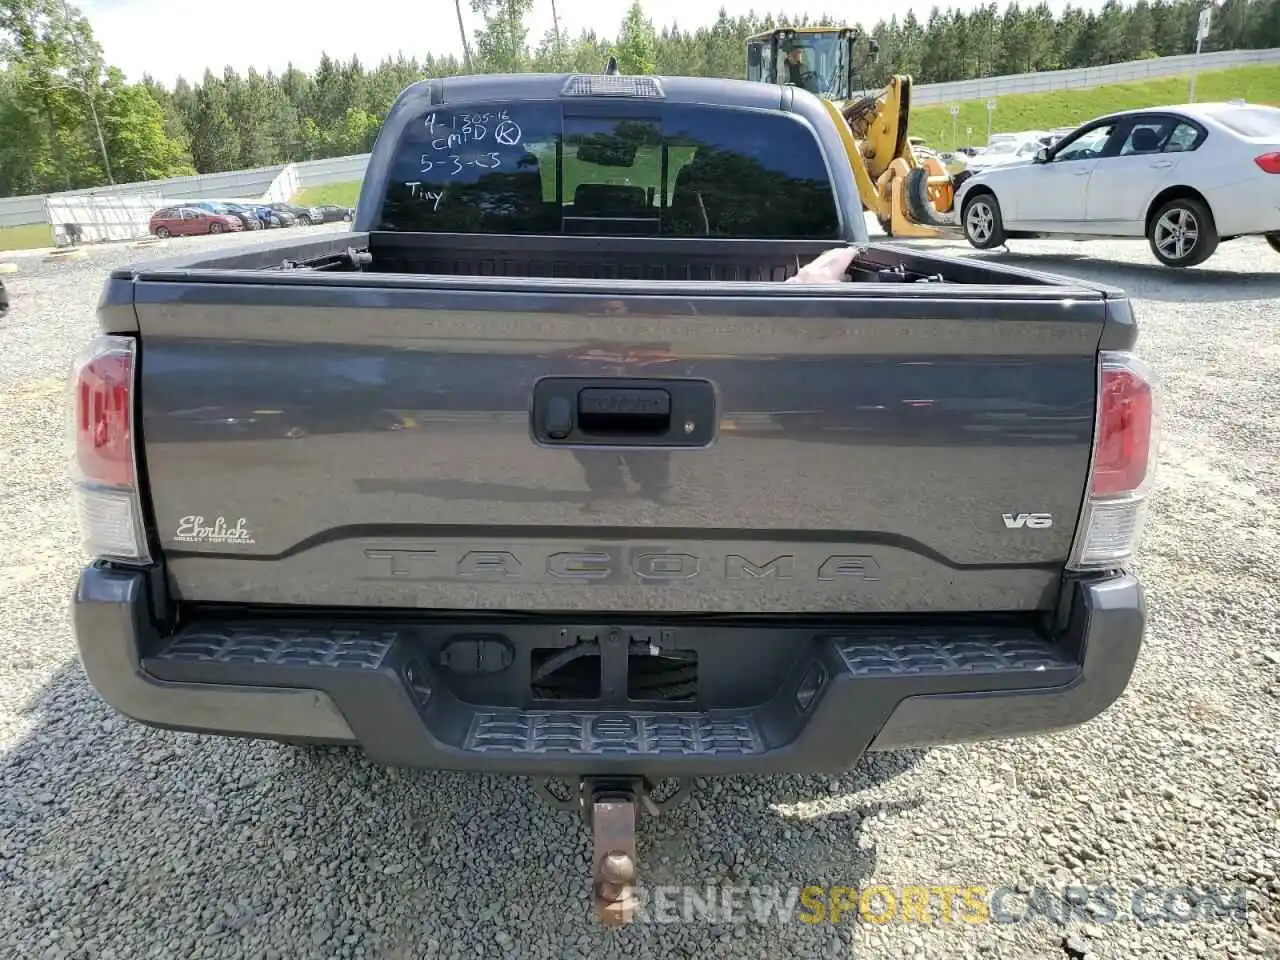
(797, 74)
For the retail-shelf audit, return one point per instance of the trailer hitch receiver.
(610, 807)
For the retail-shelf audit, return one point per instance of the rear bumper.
(850, 691)
(1248, 208)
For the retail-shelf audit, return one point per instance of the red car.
(187, 221)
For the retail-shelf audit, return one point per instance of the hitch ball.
(617, 872)
(617, 867)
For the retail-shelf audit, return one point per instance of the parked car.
(283, 217)
(188, 220)
(248, 220)
(1185, 177)
(270, 218)
(1013, 149)
(248, 215)
(954, 161)
(265, 217)
(332, 213)
(303, 215)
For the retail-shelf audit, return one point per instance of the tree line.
(69, 119)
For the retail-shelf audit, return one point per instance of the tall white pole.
(1194, 65)
(1202, 32)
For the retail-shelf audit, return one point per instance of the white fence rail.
(19, 211)
(280, 182)
(250, 184)
(99, 218)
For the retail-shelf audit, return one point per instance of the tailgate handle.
(624, 410)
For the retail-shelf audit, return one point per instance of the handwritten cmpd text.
(449, 132)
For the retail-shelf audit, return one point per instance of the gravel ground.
(120, 841)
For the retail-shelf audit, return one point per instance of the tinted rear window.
(1250, 121)
(676, 171)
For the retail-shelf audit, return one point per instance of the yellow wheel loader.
(911, 195)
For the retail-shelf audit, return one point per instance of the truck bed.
(385, 254)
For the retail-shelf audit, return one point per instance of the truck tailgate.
(871, 447)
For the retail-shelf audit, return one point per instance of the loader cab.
(822, 60)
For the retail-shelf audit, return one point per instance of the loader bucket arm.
(908, 195)
(903, 146)
(881, 123)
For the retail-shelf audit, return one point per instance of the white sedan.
(1185, 177)
(1006, 151)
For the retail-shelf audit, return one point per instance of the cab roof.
(799, 31)
(487, 88)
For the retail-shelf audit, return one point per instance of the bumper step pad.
(616, 734)
(842, 687)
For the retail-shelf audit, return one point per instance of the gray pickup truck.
(540, 469)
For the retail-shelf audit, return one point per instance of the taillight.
(1269, 162)
(1124, 453)
(104, 392)
(1122, 446)
(103, 461)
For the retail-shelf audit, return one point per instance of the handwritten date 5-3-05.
(455, 164)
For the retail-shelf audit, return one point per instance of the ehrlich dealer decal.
(195, 530)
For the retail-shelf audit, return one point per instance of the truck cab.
(612, 156)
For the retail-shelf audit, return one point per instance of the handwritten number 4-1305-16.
(455, 164)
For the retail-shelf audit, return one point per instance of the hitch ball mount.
(609, 806)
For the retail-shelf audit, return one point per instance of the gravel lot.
(120, 841)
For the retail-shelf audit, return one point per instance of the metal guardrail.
(18, 211)
(1084, 78)
(312, 173)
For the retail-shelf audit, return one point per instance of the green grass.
(28, 237)
(1045, 111)
(339, 194)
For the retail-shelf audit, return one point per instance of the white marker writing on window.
(449, 133)
(508, 133)
(432, 197)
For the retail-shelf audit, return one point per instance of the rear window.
(674, 171)
(1250, 121)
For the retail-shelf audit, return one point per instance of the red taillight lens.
(104, 415)
(1125, 442)
(1123, 447)
(1269, 162)
(102, 455)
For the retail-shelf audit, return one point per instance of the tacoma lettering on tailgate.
(611, 565)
